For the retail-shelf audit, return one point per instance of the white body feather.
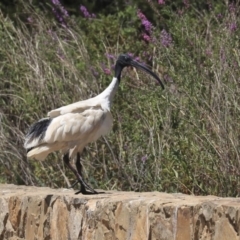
(75, 125)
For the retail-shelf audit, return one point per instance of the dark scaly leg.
(79, 169)
(79, 164)
(84, 186)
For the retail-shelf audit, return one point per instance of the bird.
(70, 128)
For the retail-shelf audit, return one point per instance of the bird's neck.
(109, 92)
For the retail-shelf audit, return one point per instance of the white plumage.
(70, 128)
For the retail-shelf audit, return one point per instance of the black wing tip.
(29, 149)
(38, 129)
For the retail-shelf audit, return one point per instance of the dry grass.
(186, 138)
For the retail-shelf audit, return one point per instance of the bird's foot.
(84, 188)
(85, 192)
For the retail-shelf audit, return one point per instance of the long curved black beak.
(144, 68)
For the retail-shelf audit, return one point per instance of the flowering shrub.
(60, 12)
(183, 139)
(147, 26)
(85, 12)
(166, 39)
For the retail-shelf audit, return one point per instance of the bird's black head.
(125, 60)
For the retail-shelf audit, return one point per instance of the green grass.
(183, 139)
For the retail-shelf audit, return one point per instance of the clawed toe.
(84, 192)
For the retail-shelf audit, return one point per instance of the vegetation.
(183, 139)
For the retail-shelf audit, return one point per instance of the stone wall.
(44, 213)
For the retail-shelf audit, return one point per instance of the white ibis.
(70, 128)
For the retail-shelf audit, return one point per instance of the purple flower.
(167, 78)
(166, 39)
(144, 158)
(29, 19)
(140, 14)
(146, 37)
(209, 6)
(137, 59)
(55, 2)
(85, 12)
(147, 25)
(232, 7)
(130, 54)
(186, 3)
(107, 71)
(60, 12)
(112, 59)
(161, 2)
(233, 27)
(110, 56)
(94, 72)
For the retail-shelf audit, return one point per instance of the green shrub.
(183, 139)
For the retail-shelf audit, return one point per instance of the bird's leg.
(79, 177)
(84, 185)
